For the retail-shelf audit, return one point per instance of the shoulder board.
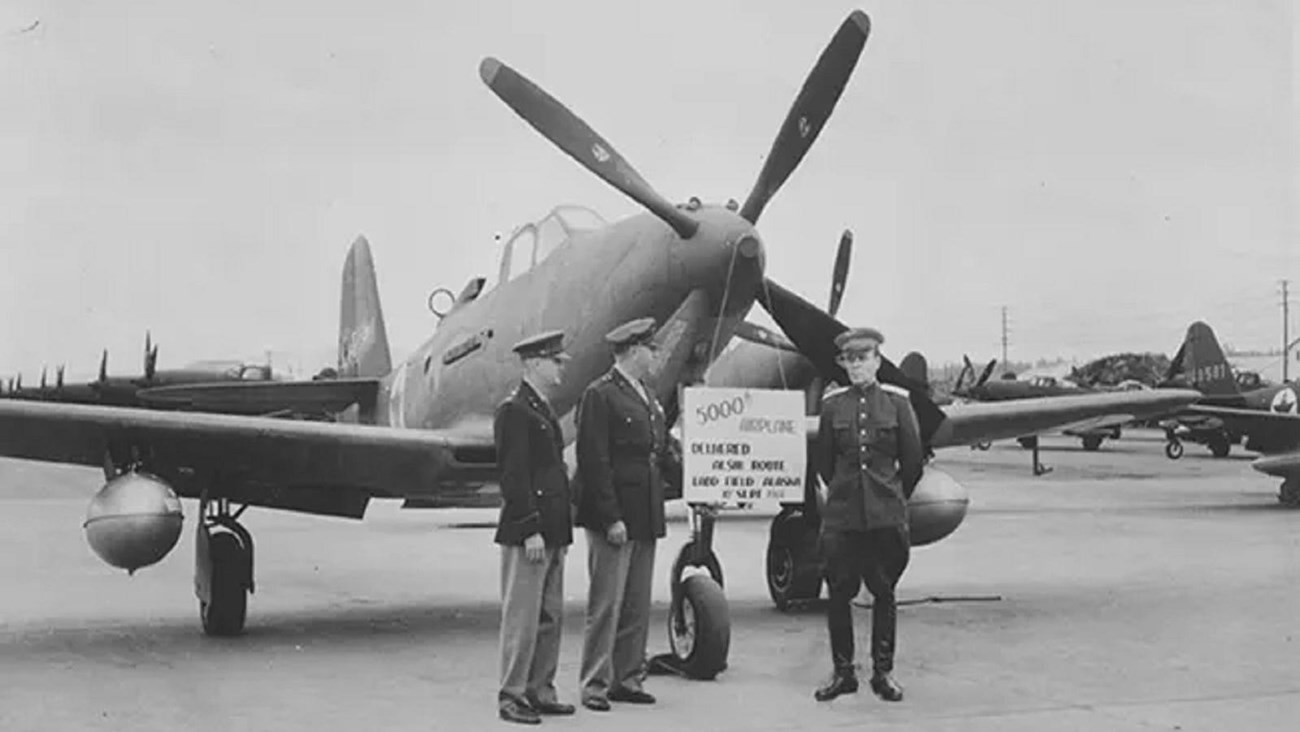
(897, 390)
(834, 392)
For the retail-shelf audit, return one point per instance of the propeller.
(804, 122)
(569, 133)
(150, 357)
(43, 378)
(813, 331)
(58, 377)
(103, 367)
(988, 371)
(840, 273)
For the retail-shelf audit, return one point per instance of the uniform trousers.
(878, 558)
(532, 610)
(618, 614)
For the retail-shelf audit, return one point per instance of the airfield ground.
(1136, 593)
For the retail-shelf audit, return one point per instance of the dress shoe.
(513, 711)
(552, 708)
(886, 688)
(841, 683)
(632, 696)
(596, 704)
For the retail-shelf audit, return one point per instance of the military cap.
(542, 345)
(632, 332)
(857, 339)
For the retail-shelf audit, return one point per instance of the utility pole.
(1286, 340)
(1004, 337)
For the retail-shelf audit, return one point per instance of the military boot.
(843, 681)
(885, 687)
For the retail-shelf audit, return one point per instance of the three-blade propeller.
(809, 328)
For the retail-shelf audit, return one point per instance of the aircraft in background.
(1235, 407)
(125, 391)
(423, 429)
(1010, 388)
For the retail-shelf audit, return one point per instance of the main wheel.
(1220, 447)
(224, 614)
(794, 570)
(1092, 443)
(699, 628)
(1173, 449)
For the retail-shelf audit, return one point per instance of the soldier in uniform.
(869, 456)
(620, 445)
(534, 532)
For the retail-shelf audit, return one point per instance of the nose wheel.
(223, 568)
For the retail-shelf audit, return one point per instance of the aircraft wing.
(1283, 465)
(293, 455)
(1286, 424)
(988, 421)
(263, 397)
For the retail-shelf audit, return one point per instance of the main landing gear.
(794, 566)
(223, 568)
(1031, 443)
(699, 623)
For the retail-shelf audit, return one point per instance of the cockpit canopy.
(530, 244)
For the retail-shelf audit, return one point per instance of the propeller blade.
(59, 376)
(569, 133)
(961, 375)
(43, 384)
(813, 331)
(103, 366)
(758, 334)
(150, 358)
(810, 111)
(841, 272)
(988, 371)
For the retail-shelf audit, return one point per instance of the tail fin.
(1201, 362)
(363, 341)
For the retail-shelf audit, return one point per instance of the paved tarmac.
(1136, 593)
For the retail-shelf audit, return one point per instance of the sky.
(1107, 171)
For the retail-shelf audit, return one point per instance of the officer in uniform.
(869, 456)
(620, 445)
(534, 532)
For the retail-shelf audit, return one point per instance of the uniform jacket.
(621, 457)
(534, 479)
(869, 455)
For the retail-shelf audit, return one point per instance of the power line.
(1004, 334)
(1286, 340)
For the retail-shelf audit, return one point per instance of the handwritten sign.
(742, 445)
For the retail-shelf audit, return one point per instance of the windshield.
(532, 243)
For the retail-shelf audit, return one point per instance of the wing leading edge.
(187, 448)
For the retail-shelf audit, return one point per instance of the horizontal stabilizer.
(265, 397)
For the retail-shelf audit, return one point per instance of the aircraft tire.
(1092, 443)
(1220, 447)
(699, 628)
(225, 614)
(1173, 449)
(1289, 494)
(794, 570)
